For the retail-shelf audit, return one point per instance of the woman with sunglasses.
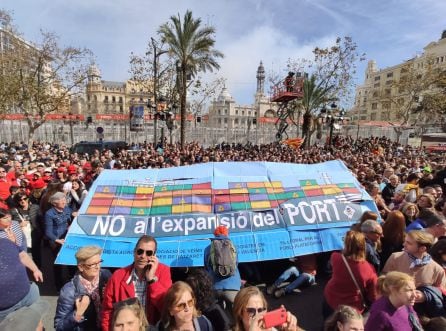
(11, 229)
(180, 313)
(79, 303)
(249, 308)
(129, 315)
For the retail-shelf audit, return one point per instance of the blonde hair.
(136, 308)
(422, 238)
(343, 315)
(354, 245)
(172, 297)
(240, 302)
(86, 252)
(393, 280)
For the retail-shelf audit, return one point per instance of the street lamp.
(331, 117)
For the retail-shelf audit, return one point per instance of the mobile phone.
(274, 318)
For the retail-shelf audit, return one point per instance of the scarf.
(92, 289)
(416, 262)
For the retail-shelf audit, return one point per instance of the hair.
(430, 198)
(136, 308)
(201, 283)
(437, 251)
(172, 297)
(4, 212)
(394, 176)
(412, 177)
(354, 245)
(433, 219)
(435, 324)
(18, 196)
(393, 280)
(368, 215)
(146, 239)
(343, 315)
(394, 228)
(422, 238)
(407, 205)
(240, 302)
(369, 226)
(86, 252)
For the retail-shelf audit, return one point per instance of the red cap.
(87, 166)
(61, 169)
(72, 170)
(40, 183)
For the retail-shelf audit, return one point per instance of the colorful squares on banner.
(199, 186)
(312, 191)
(258, 197)
(224, 198)
(260, 204)
(104, 195)
(221, 192)
(256, 184)
(118, 210)
(143, 197)
(181, 209)
(257, 190)
(140, 211)
(242, 190)
(240, 205)
(201, 191)
(344, 185)
(163, 188)
(142, 203)
(331, 189)
(181, 200)
(180, 193)
(222, 207)
(164, 194)
(125, 190)
(97, 210)
(351, 190)
(162, 202)
(308, 182)
(106, 189)
(238, 198)
(201, 199)
(201, 208)
(100, 201)
(122, 202)
(232, 185)
(276, 184)
(145, 190)
(161, 210)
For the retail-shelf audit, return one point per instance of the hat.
(37, 184)
(221, 230)
(427, 169)
(37, 173)
(26, 318)
(57, 196)
(40, 164)
(61, 169)
(87, 166)
(72, 169)
(48, 170)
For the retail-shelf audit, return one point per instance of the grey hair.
(368, 226)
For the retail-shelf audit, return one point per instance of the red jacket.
(120, 287)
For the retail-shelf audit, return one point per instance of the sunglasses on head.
(141, 251)
(183, 305)
(253, 311)
(126, 302)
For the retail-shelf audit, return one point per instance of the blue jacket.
(221, 283)
(56, 223)
(65, 311)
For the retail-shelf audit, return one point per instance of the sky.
(247, 31)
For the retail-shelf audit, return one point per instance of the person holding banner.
(146, 279)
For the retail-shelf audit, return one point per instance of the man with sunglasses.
(146, 279)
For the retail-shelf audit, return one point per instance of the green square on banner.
(164, 188)
(126, 190)
(161, 210)
(240, 205)
(344, 185)
(294, 195)
(281, 196)
(272, 196)
(260, 190)
(308, 182)
(140, 211)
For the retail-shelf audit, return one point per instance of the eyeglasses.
(92, 265)
(140, 251)
(378, 233)
(253, 311)
(23, 199)
(181, 306)
(126, 302)
(1, 171)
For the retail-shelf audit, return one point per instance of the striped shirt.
(140, 287)
(20, 237)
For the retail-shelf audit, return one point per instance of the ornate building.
(224, 113)
(374, 99)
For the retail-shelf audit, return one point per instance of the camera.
(274, 318)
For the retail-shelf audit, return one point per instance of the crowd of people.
(392, 267)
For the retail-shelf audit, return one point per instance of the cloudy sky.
(248, 31)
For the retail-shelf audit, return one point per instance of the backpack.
(223, 257)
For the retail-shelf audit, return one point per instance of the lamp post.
(156, 54)
(331, 117)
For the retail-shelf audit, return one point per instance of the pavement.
(305, 304)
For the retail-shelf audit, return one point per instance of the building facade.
(379, 97)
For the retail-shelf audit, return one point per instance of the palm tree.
(314, 97)
(192, 46)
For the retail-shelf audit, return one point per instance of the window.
(219, 112)
(386, 105)
(236, 121)
(377, 78)
(226, 112)
(389, 82)
(387, 92)
(236, 112)
(113, 99)
(373, 117)
(226, 120)
(375, 94)
(106, 99)
(376, 85)
(120, 99)
(374, 105)
(121, 109)
(243, 113)
(390, 74)
(385, 116)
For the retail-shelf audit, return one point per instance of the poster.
(272, 210)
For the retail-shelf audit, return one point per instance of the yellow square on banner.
(162, 194)
(202, 208)
(276, 184)
(255, 184)
(144, 190)
(271, 190)
(141, 203)
(181, 209)
(97, 210)
(238, 191)
(103, 195)
(122, 202)
(260, 204)
(162, 202)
